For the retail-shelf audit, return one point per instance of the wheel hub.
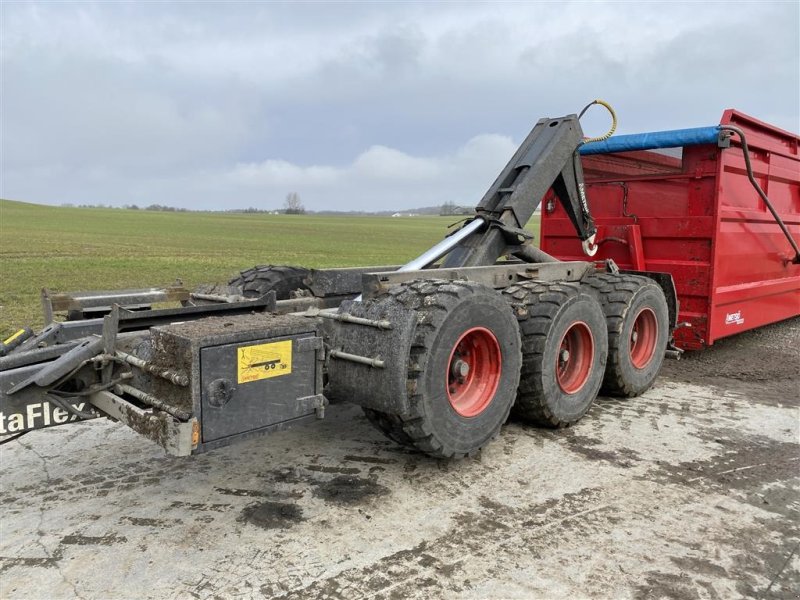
(473, 371)
(460, 369)
(574, 358)
(644, 338)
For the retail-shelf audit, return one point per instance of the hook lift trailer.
(438, 352)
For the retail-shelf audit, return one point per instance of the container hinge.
(317, 402)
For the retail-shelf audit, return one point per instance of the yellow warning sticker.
(263, 361)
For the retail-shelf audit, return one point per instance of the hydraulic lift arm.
(548, 158)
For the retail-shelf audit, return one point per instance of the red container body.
(693, 213)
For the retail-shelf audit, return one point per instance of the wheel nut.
(564, 356)
(460, 369)
(634, 336)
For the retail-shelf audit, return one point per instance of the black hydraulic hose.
(91, 390)
(64, 404)
(751, 177)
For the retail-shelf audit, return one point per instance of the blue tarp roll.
(656, 139)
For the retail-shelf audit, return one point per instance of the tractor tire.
(564, 348)
(463, 368)
(638, 331)
(255, 282)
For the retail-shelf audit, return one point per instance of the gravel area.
(690, 491)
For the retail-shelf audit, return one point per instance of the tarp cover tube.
(653, 140)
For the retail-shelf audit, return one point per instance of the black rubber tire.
(545, 312)
(445, 310)
(622, 297)
(283, 280)
(390, 425)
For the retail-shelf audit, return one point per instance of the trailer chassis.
(433, 350)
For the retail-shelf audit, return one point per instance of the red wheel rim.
(473, 371)
(644, 335)
(575, 357)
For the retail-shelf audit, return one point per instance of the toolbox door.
(250, 385)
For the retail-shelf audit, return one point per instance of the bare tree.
(293, 204)
(449, 208)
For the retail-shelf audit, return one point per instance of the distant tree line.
(160, 207)
(156, 207)
(293, 205)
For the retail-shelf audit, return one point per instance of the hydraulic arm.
(548, 158)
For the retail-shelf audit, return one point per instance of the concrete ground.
(691, 491)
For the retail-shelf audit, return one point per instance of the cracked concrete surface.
(690, 491)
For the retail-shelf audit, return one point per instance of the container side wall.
(753, 281)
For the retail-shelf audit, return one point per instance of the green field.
(69, 249)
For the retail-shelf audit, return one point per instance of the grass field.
(69, 249)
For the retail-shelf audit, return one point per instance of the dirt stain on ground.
(666, 585)
(756, 470)
(200, 506)
(747, 463)
(339, 470)
(91, 540)
(272, 515)
(7, 562)
(149, 522)
(587, 447)
(349, 490)
(371, 459)
(240, 492)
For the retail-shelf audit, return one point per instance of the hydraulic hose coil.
(613, 128)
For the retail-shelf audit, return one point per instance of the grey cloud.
(175, 103)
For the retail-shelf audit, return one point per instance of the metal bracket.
(175, 437)
(496, 276)
(319, 402)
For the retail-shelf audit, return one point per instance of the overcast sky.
(356, 106)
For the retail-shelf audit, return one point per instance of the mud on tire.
(638, 330)
(461, 385)
(564, 347)
(283, 280)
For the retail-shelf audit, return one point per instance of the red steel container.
(692, 212)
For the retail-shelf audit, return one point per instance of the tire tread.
(536, 305)
(615, 292)
(258, 280)
(432, 300)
